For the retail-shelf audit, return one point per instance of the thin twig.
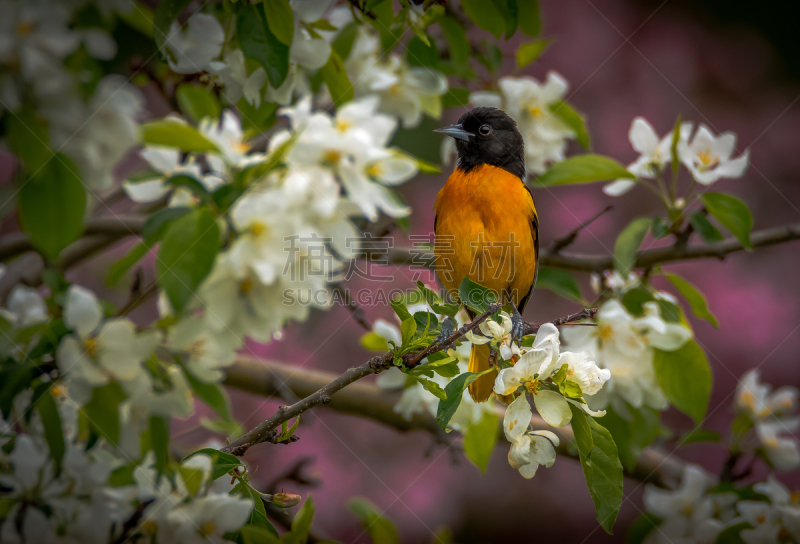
(267, 431)
(569, 238)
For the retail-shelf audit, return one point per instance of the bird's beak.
(455, 131)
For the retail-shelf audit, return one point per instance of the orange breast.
(486, 228)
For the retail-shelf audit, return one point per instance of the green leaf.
(372, 341)
(508, 8)
(156, 225)
(343, 42)
(574, 120)
(733, 534)
(685, 378)
(380, 529)
(322, 24)
(252, 534)
(102, 411)
(601, 466)
(455, 97)
(408, 329)
(529, 18)
(301, 524)
(53, 433)
(635, 299)
(29, 138)
(632, 435)
(197, 102)
(583, 169)
(492, 59)
(699, 435)
(186, 255)
(627, 244)
(708, 232)
(51, 206)
(418, 53)
(485, 15)
(175, 133)
(223, 462)
(119, 268)
(457, 42)
(280, 19)
(335, 77)
(560, 282)
(211, 394)
(530, 52)
(166, 12)
(659, 228)
(455, 391)
(694, 297)
(732, 213)
(673, 147)
(433, 388)
(260, 44)
(475, 296)
(480, 438)
(159, 441)
(641, 527)
(400, 309)
(256, 120)
(258, 516)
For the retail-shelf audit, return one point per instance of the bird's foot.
(517, 326)
(448, 328)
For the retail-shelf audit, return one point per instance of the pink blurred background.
(622, 59)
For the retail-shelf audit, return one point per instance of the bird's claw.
(517, 327)
(448, 328)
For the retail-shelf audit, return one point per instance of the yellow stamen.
(197, 348)
(333, 156)
(90, 345)
(246, 285)
(535, 111)
(342, 126)
(532, 385)
(748, 399)
(707, 161)
(208, 528)
(394, 89)
(605, 332)
(375, 170)
(242, 147)
(23, 29)
(258, 228)
(149, 527)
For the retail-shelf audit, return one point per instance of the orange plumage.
(487, 229)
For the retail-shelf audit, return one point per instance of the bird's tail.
(481, 389)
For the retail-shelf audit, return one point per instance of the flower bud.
(285, 500)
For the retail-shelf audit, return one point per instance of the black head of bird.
(488, 136)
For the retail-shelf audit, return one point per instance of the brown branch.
(117, 226)
(267, 431)
(366, 400)
(597, 263)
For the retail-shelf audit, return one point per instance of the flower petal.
(82, 311)
(553, 408)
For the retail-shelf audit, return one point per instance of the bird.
(486, 226)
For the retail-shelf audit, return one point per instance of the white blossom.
(167, 162)
(191, 49)
(98, 351)
(528, 449)
(498, 332)
(528, 102)
(353, 146)
(687, 512)
(25, 307)
(709, 157)
(654, 154)
(770, 413)
(207, 354)
(623, 344)
(236, 81)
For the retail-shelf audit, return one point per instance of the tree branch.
(267, 430)
(598, 263)
(365, 400)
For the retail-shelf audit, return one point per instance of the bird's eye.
(485, 129)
